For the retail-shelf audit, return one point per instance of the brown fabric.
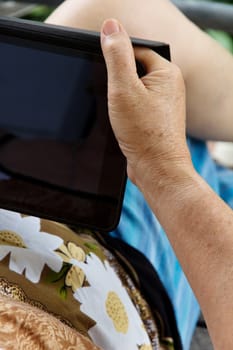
(57, 293)
(23, 326)
(51, 293)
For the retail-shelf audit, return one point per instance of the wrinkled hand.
(147, 114)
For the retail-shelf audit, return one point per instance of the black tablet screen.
(55, 130)
(53, 120)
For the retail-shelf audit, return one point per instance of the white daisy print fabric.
(29, 248)
(107, 302)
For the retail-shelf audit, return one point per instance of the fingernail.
(111, 26)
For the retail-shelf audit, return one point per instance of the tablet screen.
(54, 126)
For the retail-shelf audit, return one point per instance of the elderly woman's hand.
(147, 114)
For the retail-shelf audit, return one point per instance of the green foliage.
(39, 13)
(223, 38)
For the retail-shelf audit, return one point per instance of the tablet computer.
(59, 158)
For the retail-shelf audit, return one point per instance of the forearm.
(200, 228)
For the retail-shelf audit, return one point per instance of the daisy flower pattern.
(29, 248)
(75, 276)
(107, 302)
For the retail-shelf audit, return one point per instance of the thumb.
(118, 54)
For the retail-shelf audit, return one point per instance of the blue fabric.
(140, 228)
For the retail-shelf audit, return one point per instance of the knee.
(90, 14)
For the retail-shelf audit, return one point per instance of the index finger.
(150, 59)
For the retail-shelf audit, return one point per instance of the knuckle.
(122, 98)
(118, 95)
(176, 76)
(175, 72)
(116, 45)
(113, 48)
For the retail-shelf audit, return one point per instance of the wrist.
(162, 171)
(171, 180)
